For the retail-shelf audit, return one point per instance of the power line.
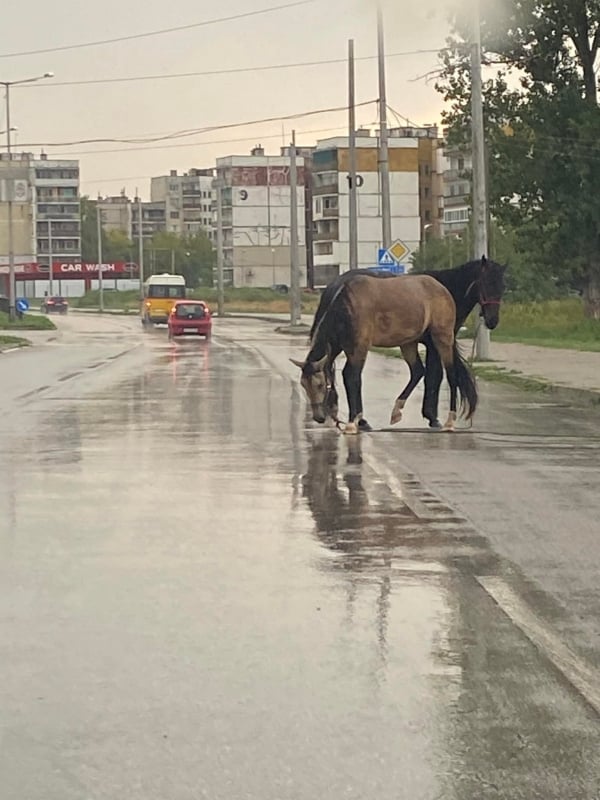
(193, 131)
(190, 144)
(160, 32)
(230, 71)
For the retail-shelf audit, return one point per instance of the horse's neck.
(462, 285)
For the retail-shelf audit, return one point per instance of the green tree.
(192, 256)
(542, 132)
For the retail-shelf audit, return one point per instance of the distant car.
(55, 304)
(190, 316)
(280, 288)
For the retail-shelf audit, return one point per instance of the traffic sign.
(393, 269)
(398, 250)
(385, 258)
(22, 305)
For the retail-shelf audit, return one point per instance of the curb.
(567, 394)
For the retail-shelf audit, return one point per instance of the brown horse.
(397, 312)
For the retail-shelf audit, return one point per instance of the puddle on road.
(228, 577)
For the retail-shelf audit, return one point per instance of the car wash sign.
(79, 269)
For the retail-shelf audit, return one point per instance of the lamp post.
(425, 229)
(11, 253)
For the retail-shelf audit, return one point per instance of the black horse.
(477, 282)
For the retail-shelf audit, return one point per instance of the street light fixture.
(425, 229)
(11, 255)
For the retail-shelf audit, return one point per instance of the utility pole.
(218, 186)
(140, 247)
(384, 164)
(50, 260)
(295, 307)
(172, 261)
(100, 275)
(353, 200)
(12, 289)
(480, 214)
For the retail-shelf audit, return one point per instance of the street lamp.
(11, 255)
(425, 229)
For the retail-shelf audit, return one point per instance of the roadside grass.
(243, 300)
(549, 323)
(29, 322)
(13, 341)
(511, 377)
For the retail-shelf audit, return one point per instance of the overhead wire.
(227, 71)
(160, 32)
(195, 131)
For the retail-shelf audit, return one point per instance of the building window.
(174, 214)
(457, 215)
(427, 215)
(461, 163)
(426, 192)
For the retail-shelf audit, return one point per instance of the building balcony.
(325, 236)
(326, 188)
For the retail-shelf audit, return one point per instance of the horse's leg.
(352, 374)
(433, 381)
(443, 342)
(412, 358)
(332, 395)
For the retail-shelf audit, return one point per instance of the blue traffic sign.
(394, 269)
(385, 258)
(22, 305)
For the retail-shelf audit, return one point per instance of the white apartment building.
(256, 218)
(331, 204)
(188, 201)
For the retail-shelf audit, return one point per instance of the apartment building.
(46, 211)
(331, 205)
(188, 200)
(456, 166)
(256, 217)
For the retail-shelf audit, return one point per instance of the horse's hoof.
(397, 411)
(351, 429)
(435, 423)
(364, 426)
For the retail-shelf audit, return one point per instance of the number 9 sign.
(243, 194)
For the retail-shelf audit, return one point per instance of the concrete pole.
(12, 294)
(50, 260)
(480, 243)
(353, 200)
(140, 247)
(217, 184)
(100, 275)
(295, 305)
(384, 165)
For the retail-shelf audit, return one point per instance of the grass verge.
(28, 322)
(12, 341)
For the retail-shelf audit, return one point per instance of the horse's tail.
(465, 381)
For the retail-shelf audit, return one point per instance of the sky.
(49, 115)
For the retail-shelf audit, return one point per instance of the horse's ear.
(483, 262)
(297, 363)
(320, 364)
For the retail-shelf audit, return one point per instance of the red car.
(190, 316)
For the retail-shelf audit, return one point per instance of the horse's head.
(316, 385)
(491, 289)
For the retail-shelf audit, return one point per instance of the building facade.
(456, 166)
(187, 199)
(116, 214)
(256, 218)
(46, 211)
(331, 206)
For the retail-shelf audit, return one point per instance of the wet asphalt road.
(204, 594)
